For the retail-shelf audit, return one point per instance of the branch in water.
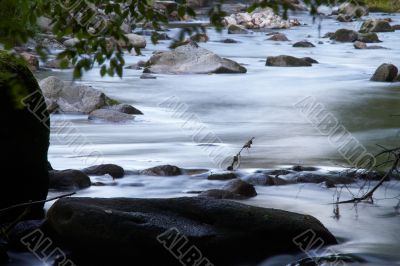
(236, 158)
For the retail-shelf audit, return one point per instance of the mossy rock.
(24, 137)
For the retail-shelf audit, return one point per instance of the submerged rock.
(385, 73)
(163, 170)
(288, 61)
(376, 25)
(68, 179)
(278, 37)
(110, 115)
(144, 230)
(222, 176)
(303, 44)
(124, 108)
(229, 41)
(113, 170)
(191, 59)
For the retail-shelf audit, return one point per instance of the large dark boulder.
(24, 137)
(120, 231)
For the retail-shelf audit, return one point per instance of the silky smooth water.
(236, 107)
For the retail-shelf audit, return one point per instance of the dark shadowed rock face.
(24, 136)
(68, 179)
(385, 73)
(191, 59)
(119, 230)
(113, 170)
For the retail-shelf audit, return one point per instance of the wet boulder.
(287, 61)
(376, 25)
(385, 73)
(241, 188)
(191, 59)
(370, 37)
(278, 37)
(113, 170)
(163, 170)
(24, 138)
(303, 44)
(68, 179)
(113, 231)
(260, 179)
(344, 35)
(72, 98)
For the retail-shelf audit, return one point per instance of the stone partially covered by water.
(143, 230)
(191, 59)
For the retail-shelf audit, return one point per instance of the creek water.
(236, 107)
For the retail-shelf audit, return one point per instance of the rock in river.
(289, 61)
(278, 37)
(344, 35)
(114, 231)
(113, 170)
(72, 98)
(110, 115)
(222, 176)
(163, 170)
(191, 59)
(376, 25)
(303, 44)
(68, 179)
(385, 73)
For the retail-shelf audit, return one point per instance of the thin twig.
(35, 202)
